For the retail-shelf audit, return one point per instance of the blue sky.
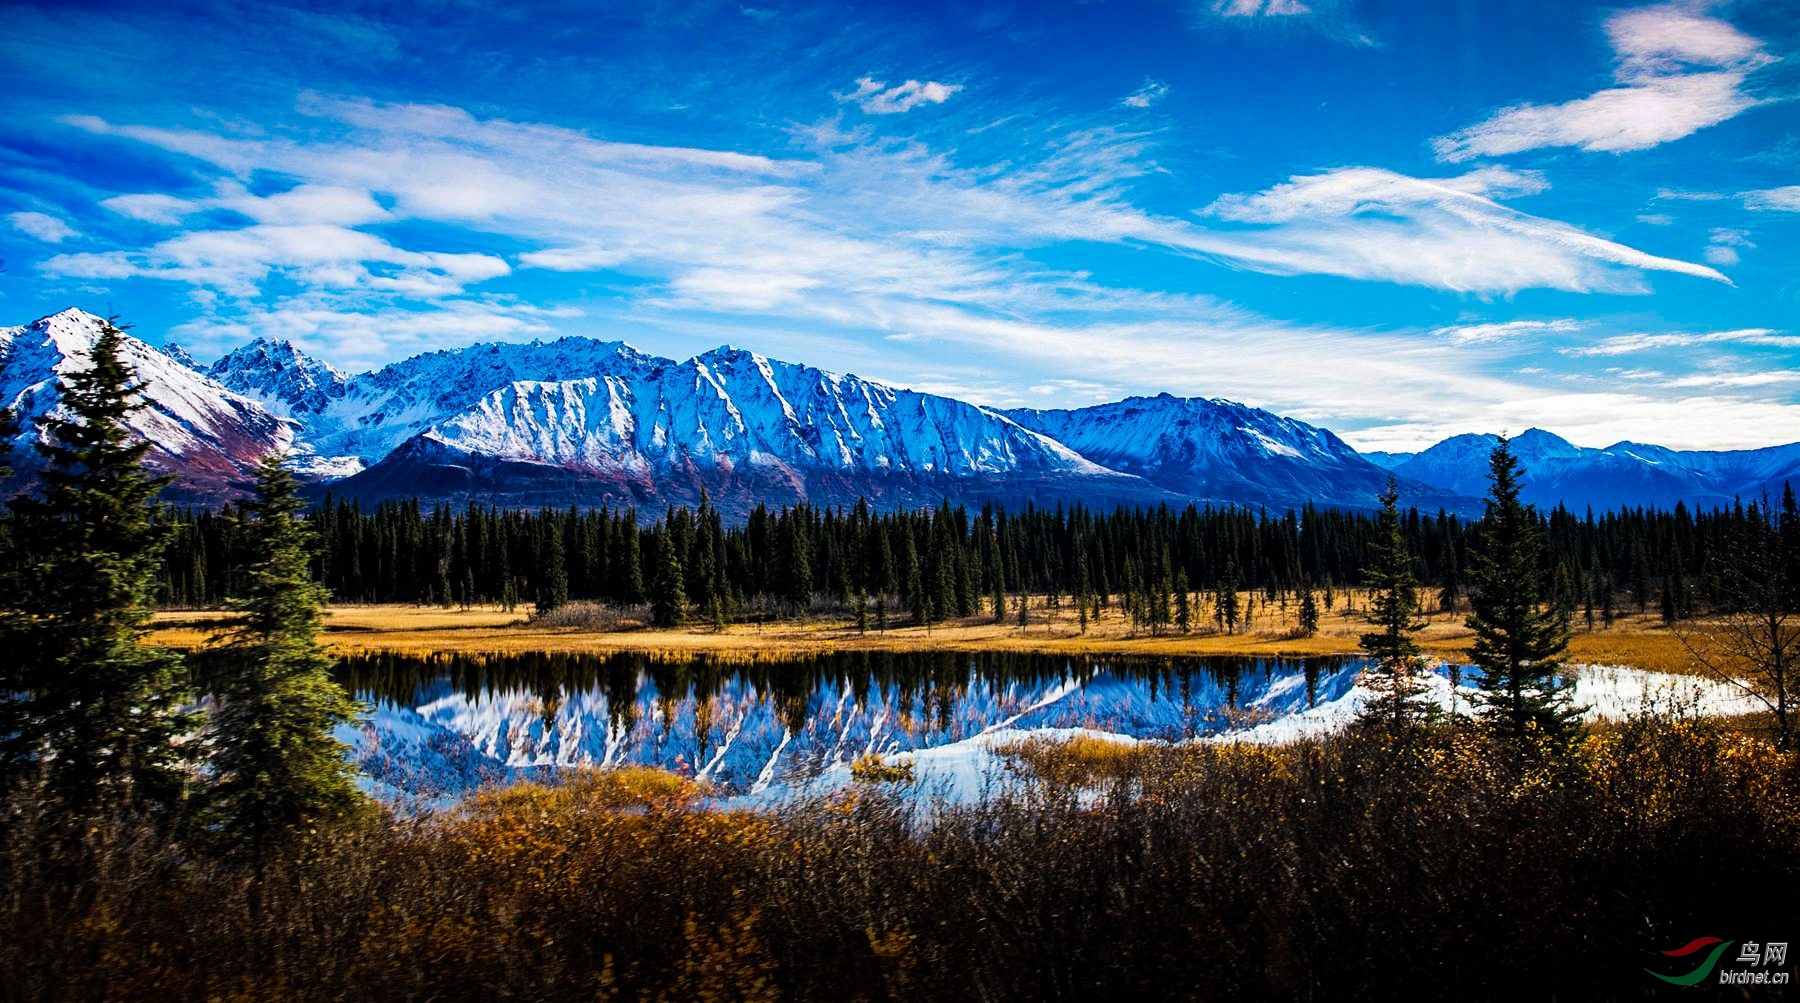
(1399, 220)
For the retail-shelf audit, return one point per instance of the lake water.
(442, 726)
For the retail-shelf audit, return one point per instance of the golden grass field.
(1637, 640)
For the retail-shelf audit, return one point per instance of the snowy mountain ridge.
(204, 434)
(1221, 449)
(587, 422)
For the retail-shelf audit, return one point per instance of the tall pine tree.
(91, 708)
(1393, 610)
(668, 599)
(277, 770)
(1520, 637)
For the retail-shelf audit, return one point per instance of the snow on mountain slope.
(586, 422)
(1625, 474)
(1221, 450)
(743, 427)
(391, 405)
(206, 435)
(281, 378)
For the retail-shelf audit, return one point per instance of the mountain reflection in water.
(444, 724)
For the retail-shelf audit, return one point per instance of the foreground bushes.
(1437, 865)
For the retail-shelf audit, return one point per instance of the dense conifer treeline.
(942, 563)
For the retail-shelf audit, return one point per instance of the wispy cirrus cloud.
(41, 226)
(1447, 233)
(1333, 19)
(853, 233)
(853, 217)
(1260, 8)
(1487, 334)
(875, 97)
(1678, 71)
(362, 336)
(1147, 95)
(1627, 344)
(1784, 199)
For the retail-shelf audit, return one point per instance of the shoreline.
(1639, 641)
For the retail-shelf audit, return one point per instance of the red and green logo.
(1699, 974)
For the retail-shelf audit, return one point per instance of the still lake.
(442, 726)
(445, 724)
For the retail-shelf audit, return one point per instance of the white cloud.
(1722, 248)
(1721, 255)
(1626, 344)
(362, 339)
(858, 233)
(1683, 195)
(1678, 72)
(1656, 219)
(1259, 8)
(1601, 419)
(236, 262)
(739, 289)
(152, 208)
(579, 258)
(1733, 380)
(42, 226)
(1483, 334)
(875, 97)
(1380, 391)
(1785, 199)
(864, 236)
(1351, 190)
(1147, 95)
(1447, 233)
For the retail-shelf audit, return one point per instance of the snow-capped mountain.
(203, 433)
(281, 378)
(587, 422)
(1222, 450)
(1624, 474)
(743, 427)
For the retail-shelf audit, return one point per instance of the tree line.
(943, 563)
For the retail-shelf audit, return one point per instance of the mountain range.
(579, 421)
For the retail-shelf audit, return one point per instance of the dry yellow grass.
(1076, 761)
(1639, 641)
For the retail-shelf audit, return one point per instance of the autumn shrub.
(1077, 761)
(1436, 863)
(874, 768)
(596, 616)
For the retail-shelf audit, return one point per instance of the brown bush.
(1363, 866)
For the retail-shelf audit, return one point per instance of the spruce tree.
(1519, 637)
(277, 770)
(668, 599)
(553, 588)
(1395, 660)
(1184, 613)
(91, 709)
(1309, 612)
(1228, 609)
(794, 562)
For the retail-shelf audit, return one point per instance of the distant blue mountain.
(1626, 474)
